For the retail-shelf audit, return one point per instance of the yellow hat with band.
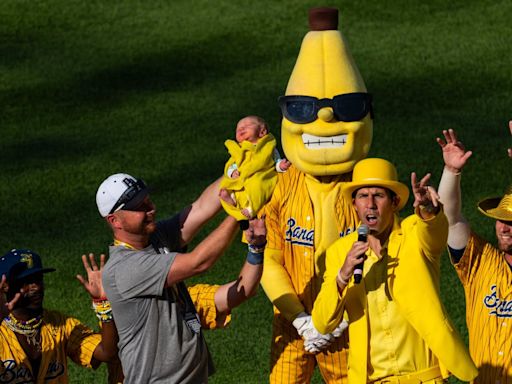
(499, 208)
(375, 172)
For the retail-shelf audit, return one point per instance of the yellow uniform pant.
(291, 364)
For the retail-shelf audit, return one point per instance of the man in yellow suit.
(326, 129)
(399, 330)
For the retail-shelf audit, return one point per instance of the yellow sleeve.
(81, 341)
(432, 234)
(203, 297)
(328, 309)
(276, 281)
(278, 286)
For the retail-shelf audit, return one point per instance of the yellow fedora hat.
(374, 172)
(499, 208)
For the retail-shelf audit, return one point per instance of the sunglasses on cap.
(132, 196)
(346, 107)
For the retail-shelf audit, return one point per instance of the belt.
(413, 378)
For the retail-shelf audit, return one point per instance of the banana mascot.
(326, 128)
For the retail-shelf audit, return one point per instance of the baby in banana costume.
(250, 173)
(326, 128)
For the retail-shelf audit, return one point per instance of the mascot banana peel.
(326, 128)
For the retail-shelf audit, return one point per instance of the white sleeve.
(450, 195)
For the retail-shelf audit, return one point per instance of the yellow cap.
(499, 208)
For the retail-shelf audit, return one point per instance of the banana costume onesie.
(258, 175)
(326, 128)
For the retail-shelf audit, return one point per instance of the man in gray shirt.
(160, 335)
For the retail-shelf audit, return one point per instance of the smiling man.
(485, 270)
(160, 322)
(398, 327)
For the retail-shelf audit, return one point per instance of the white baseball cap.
(120, 191)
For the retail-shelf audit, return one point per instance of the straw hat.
(374, 172)
(499, 208)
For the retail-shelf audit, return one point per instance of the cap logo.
(129, 182)
(27, 259)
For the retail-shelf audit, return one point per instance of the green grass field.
(154, 88)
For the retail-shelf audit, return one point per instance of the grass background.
(154, 88)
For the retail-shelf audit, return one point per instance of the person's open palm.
(93, 284)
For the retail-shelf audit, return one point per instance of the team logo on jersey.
(298, 235)
(14, 373)
(295, 234)
(498, 307)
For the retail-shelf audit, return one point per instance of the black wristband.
(254, 258)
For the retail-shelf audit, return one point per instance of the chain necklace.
(30, 329)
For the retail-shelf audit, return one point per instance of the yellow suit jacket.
(414, 250)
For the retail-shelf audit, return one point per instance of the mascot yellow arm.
(278, 286)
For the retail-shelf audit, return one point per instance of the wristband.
(103, 310)
(340, 279)
(254, 258)
(100, 299)
(257, 248)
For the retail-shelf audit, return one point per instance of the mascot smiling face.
(327, 114)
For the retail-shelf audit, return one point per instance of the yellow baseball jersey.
(297, 229)
(487, 281)
(61, 337)
(304, 216)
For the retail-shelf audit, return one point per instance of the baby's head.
(251, 128)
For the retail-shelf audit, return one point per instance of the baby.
(250, 174)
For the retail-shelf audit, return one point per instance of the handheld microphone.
(362, 235)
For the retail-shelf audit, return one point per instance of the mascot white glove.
(340, 328)
(314, 341)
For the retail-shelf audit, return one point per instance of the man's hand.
(7, 306)
(93, 284)
(314, 341)
(256, 234)
(454, 154)
(355, 256)
(425, 196)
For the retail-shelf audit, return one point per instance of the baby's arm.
(281, 164)
(233, 172)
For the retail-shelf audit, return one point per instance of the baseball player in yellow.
(35, 343)
(398, 327)
(485, 270)
(326, 129)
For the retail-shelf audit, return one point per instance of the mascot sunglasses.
(347, 107)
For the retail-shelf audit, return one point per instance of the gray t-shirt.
(160, 340)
